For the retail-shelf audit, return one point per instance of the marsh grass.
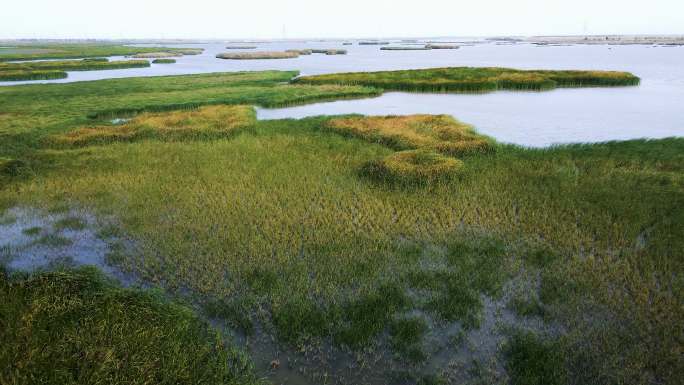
(156, 55)
(472, 79)
(274, 224)
(440, 133)
(18, 75)
(532, 360)
(89, 331)
(163, 61)
(76, 50)
(42, 70)
(203, 123)
(258, 55)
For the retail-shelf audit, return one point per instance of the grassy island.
(163, 61)
(259, 55)
(472, 79)
(346, 247)
(73, 51)
(43, 70)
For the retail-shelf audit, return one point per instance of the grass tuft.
(412, 167)
(163, 61)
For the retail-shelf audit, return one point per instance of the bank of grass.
(72, 65)
(204, 123)
(262, 55)
(71, 51)
(275, 226)
(90, 331)
(28, 74)
(473, 79)
(163, 61)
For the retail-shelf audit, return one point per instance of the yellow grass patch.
(414, 166)
(205, 122)
(440, 133)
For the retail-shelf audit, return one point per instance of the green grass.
(273, 225)
(534, 361)
(261, 55)
(73, 327)
(163, 61)
(71, 51)
(72, 65)
(472, 79)
(28, 74)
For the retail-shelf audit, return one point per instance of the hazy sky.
(334, 18)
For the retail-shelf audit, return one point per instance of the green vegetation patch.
(72, 65)
(472, 79)
(19, 75)
(77, 50)
(258, 55)
(89, 331)
(531, 360)
(204, 122)
(163, 61)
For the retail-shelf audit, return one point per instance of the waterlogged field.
(385, 240)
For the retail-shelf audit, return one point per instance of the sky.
(266, 19)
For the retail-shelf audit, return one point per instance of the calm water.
(652, 110)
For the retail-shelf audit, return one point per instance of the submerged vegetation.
(273, 227)
(259, 55)
(472, 79)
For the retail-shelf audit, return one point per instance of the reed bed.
(203, 123)
(413, 167)
(96, 59)
(268, 55)
(472, 79)
(164, 61)
(440, 133)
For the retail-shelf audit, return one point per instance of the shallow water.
(651, 110)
